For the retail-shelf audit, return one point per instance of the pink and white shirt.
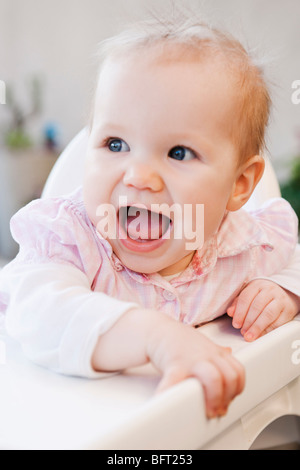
(66, 286)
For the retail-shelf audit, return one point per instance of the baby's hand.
(261, 307)
(178, 351)
(182, 351)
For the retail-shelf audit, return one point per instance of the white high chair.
(42, 410)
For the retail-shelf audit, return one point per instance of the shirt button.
(169, 296)
(267, 248)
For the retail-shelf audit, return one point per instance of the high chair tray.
(43, 410)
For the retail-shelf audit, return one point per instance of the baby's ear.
(248, 176)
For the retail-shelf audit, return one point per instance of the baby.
(155, 242)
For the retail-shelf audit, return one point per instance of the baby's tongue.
(143, 224)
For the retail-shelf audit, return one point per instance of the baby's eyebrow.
(109, 128)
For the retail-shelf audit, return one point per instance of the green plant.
(17, 137)
(291, 189)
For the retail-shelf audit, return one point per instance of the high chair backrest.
(67, 174)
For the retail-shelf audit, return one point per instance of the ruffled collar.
(238, 232)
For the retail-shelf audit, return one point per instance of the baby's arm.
(178, 351)
(55, 316)
(64, 326)
(266, 304)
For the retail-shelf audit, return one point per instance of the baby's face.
(161, 134)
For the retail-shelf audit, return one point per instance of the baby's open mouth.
(143, 225)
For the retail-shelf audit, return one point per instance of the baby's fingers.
(263, 322)
(222, 380)
(213, 384)
(233, 376)
(232, 308)
(249, 305)
(240, 306)
(210, 378)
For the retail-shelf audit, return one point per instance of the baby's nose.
(143, 176)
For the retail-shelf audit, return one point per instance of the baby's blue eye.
(117, 145)
(181, 153)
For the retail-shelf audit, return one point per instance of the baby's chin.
(161, 262)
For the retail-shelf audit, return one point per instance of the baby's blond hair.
(184, 36)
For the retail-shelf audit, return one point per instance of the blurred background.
(47, 72)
